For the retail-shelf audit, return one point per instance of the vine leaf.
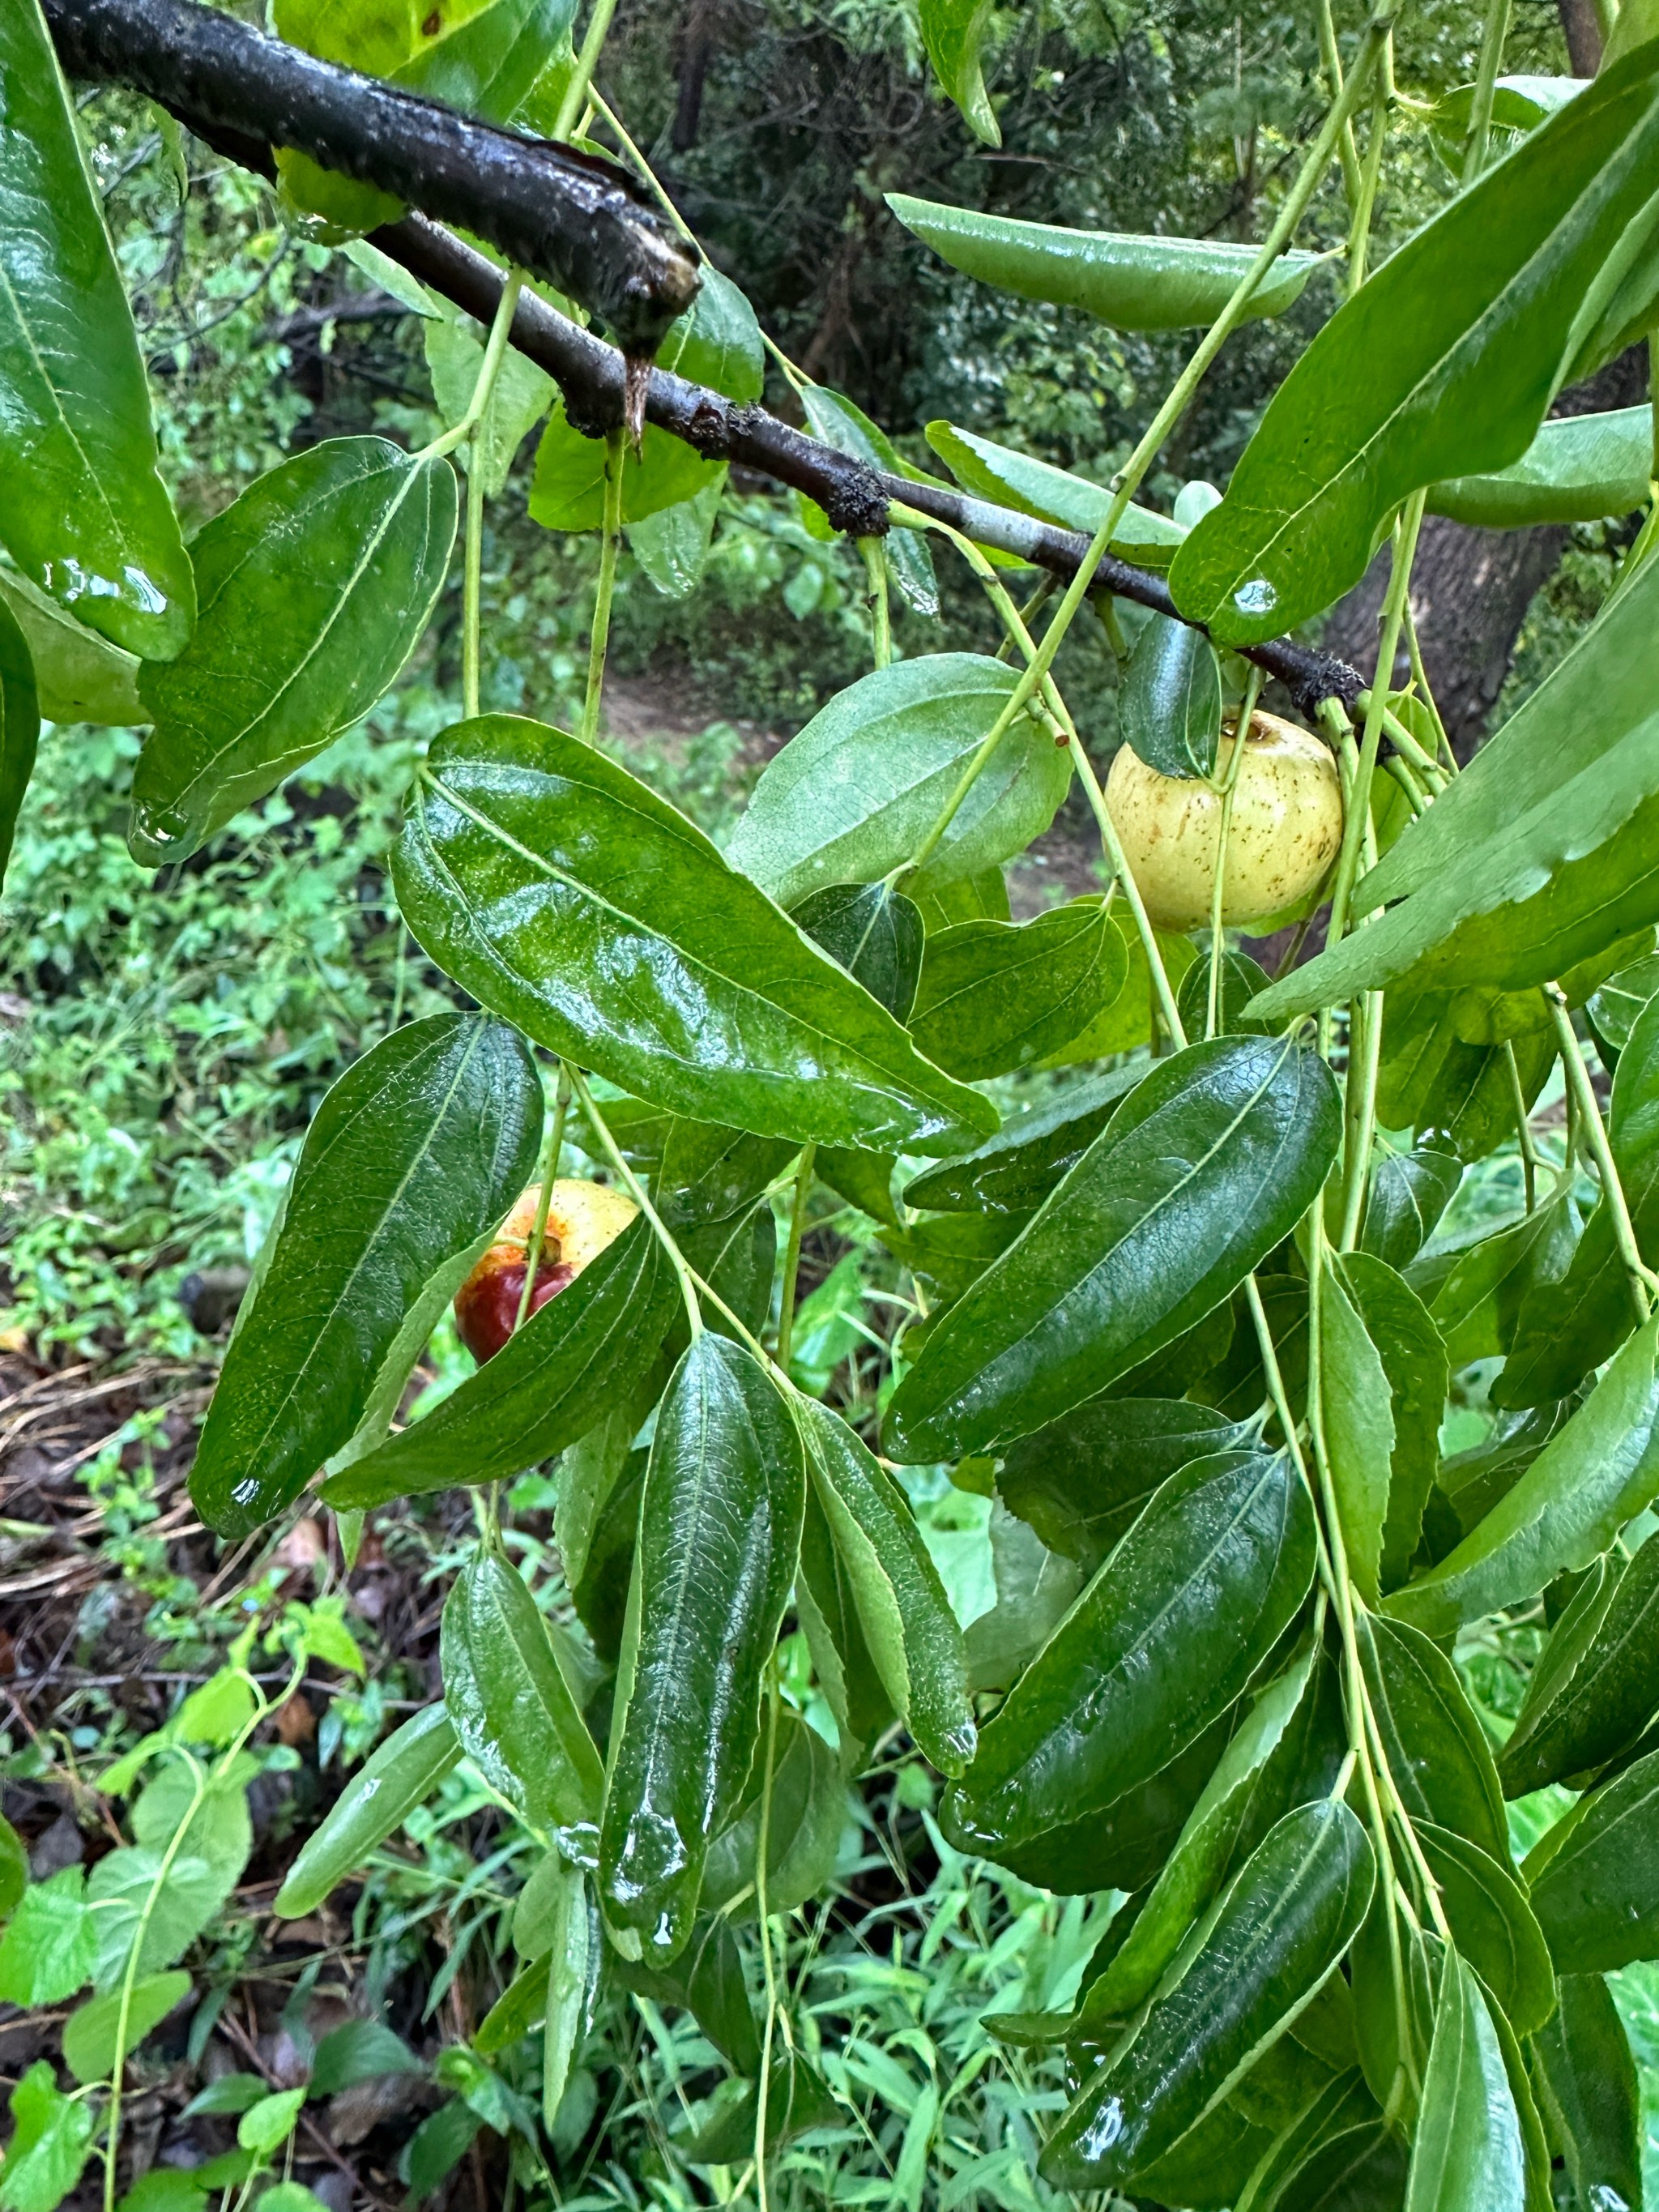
(84, 515)
(414, 1155)
(1443, 364)
(1205, 1166)
(569, 899)
(718, 1539)
(315, 587)
(51, 2137)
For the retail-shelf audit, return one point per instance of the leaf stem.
(1359, 230)
(792, 1253)
(1217, 890)
(1485, 81)
(874, 554)
(496, 345)
(763, 1848)
(638, 1191)
(1524, 1137)
(575, 93)
(1642, 1280)
(532, 1257)
(610, 544)
(1330, 55)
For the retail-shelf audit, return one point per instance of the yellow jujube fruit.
(1286, 827)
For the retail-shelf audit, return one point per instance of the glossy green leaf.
(717, 341)
(1613, 1006)
(1468, 2155)
(1475, 1287)
(1576, 470)
(953, 32)
(90, 2032)
(19, 726)
(809, 1811)
(1155, 283)
(1168, 703)
(1409, 1192)
(1014, 1171)
(51, 2135)
(720, 1533)
(874, 933)
(1585, 2080)
(401, 1774)
(1239, 981)
(707, 1979)
(1436, 1749)
(1360, 2168)
(1441, 365)
(995, 996)
(1083, 1482)
(1129, 1021)
(519, 2009)
(85, 516)
(514, 1714)
(79, 676)
(1493, 1925)
(1204, 1168)
(1162, 1642)
(520, 396)
(853, 795)
(548, 1385)
(673, 545)
(1595, 1877)
(1458, 1093)
(1597, 1684)
(827, 1608)
(1597, 1473)
(1287, 1919)
(907, 1619)
(1540, 854)
(1470, 1483)
(315, 587)
(1006, 478)
(564, 895)
(571, 1935)
(567, 491)
(1393, 2079)
(1357, 1410)
(1200, 1859)
(1413, 1356)
(414, 1155)
(863, 1179)
(833, 418)
(699, 1173)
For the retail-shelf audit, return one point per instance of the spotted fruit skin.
(582, 1218)
(1286, 827)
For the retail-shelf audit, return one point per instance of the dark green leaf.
(1470, 1483)
(1468, 2154)
(1395, 2078)
(1168, 703)
(1162, 1643)
(1437, 1749)
(559, 891)
(738, 1260)
(827, 1603)
(548, 1385)
(401, 1775)
(1613, 1006)
(720, 1535)
(1133, 1017)
(1595, 1476)
(1443, 364)
(874, 933)
(1019, 1167)
(1035, 1589)
(514, 1712)
(315, 587)
(1357, 1414)
(809, 1811)
(1539, 855)
(80, 676)
(1595, 1876)
(1287, 1919)
(573, 1968)
(1157, 284)
(51, 2135)
(707, 1979)
(853, 795)
(1493, 1926)
(1576, 470)
(1409, 1192)
(907, 1619)
(1036, 488)
(360, 2051)
(1204, 1168)
(1474, 1288)
(91, 2031)
(995, 996)
(1585, 2080)
(414, 1155)
(796, 2100)
(600, 1591)
(1459, 1093)
(1240, 979)
(19, 726)
(438, 2146)
(1084, 1480)
(1358, 2165)
(1597, 1686)
(863, 1179)
(1414, 1360)
(85, 515)
(1123, 1847)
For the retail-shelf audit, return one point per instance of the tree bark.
(1584, 32)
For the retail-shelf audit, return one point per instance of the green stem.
(575, 93)
(1217, 890)
(501, 329)
(1485, 80)
(1642, 1281)
(1364, 1067)
(792, 1253)
(1359, 230)
(610, 545)
(636, 1190)
(1522, 1127)
(532, 1257)
(472, 588)
(1330, 55)
(762, 1847)
(874, 551)
(648, 176)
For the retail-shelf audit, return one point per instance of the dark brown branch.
(580, 222)
(591, 374)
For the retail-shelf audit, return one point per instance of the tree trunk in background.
(1578, 20)
(1471, 588)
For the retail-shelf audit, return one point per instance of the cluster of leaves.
(1192, 1322)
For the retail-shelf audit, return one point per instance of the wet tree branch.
(239, 92)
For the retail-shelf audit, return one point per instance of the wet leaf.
(1409, 1192)
(1014, 1171)
(1468, 2155)
(996, 996)
(1413, 1360)
(1170, 699)
(1585, 2079)
(874, 933)
(514, 1713)
(1595, 1876)
(1437, 1749)
(1493, 1925)
(19, 726)
(1082, 1482)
